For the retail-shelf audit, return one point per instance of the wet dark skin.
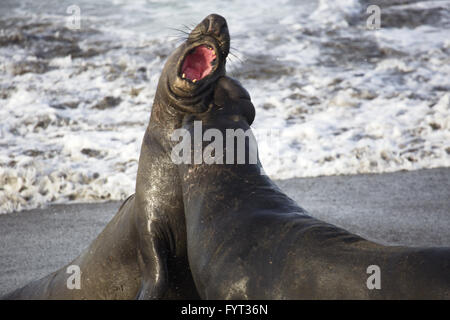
(245, 238)
(248, 240)
(142, 252)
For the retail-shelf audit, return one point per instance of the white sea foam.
(339, 99)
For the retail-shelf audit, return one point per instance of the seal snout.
(214, 24)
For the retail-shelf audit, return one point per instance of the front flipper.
(153, 262)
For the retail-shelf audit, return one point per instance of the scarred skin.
(142, 253)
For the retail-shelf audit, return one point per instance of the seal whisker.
(189, 28)
(177, 39)
(235, 56)
(235, 49)
(179, 30)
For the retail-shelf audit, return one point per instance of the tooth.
(183, 76)
(194, 80)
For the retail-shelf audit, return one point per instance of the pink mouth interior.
(197, 65)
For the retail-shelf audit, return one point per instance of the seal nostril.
(212, 28)
(216, 24)
(207, 23)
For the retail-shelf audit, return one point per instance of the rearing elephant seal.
(142, 252)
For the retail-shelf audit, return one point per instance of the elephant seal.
(248, 240)
(142, 252)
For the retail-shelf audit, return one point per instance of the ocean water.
(331, 95)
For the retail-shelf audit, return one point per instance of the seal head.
(194, 67)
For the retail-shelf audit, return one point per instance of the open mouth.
(198, 63)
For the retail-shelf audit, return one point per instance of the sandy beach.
(402, 208)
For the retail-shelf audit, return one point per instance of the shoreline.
(401, 208)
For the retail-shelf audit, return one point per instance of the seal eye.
(197, 64)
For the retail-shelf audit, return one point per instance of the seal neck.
(169, 107)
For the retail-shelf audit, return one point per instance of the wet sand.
(406, 208)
